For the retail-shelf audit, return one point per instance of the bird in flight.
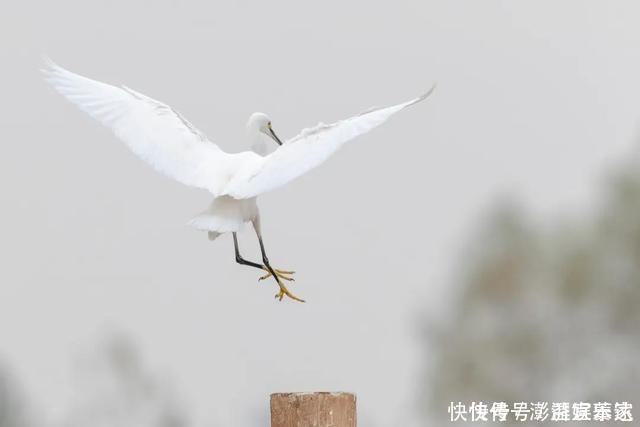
(162, 137)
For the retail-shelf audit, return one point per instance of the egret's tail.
(215, 224)
(224, 215)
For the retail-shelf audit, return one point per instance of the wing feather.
(307, 150)
(151, 129)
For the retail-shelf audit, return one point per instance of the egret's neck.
(257, 141)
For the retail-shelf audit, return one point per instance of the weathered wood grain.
(313, 410)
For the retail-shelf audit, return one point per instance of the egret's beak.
(274, 136)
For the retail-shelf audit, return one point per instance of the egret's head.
(260, 122)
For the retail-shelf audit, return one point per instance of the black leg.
(266, 260)
(243, 261)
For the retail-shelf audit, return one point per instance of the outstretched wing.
(308, 150)
(152, 130)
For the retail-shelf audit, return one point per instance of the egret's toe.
(282, 274)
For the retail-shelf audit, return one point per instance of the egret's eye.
(269, 124)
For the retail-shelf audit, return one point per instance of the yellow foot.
(284, 291)
(283, 274)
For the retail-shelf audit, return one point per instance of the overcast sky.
(534, 99)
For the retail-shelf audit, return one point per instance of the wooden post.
(313, 410)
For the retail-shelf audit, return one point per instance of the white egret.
(167, 141)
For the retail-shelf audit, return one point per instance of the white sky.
(534, 99)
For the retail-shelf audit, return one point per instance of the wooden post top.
(320, 409)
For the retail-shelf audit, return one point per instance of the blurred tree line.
(544, 313)
(113, 388)
(13, 407)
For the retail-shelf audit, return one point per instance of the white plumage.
(225, 214)
(159, 135)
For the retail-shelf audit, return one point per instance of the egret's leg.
(283, 289)
(283, 274)
(239, 258)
